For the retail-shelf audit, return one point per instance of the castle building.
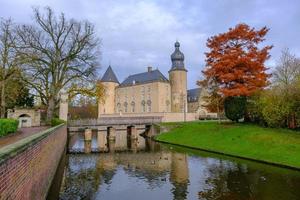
(151, 91)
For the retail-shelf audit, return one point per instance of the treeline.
(241, 85)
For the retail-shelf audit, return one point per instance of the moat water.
(144, 169)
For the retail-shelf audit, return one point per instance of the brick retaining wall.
(27, 167)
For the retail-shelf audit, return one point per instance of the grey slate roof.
(109, 76)
(193, 94)
(177, 58)
(146, 77)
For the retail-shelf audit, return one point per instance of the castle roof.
(109, 76)
(193, 94)
(145, 77)
(177, 58)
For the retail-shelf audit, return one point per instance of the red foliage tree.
(235, 61)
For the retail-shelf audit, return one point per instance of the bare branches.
(57, 53)
(288, 68)
(8, 58)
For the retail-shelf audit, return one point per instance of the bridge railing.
(105, 121)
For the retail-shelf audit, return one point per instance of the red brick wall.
(28, 174)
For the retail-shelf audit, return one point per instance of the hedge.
(8, 126)
(57, 121)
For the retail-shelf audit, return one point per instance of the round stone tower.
(110, 82)
(178, 81)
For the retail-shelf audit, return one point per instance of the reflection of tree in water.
(82, 180)
(235, 181)
(155, 179)
(225, 181)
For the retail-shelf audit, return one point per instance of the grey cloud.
(136, 34)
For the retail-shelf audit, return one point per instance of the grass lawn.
(279, 146)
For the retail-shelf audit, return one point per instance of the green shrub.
(8, 126)
(57, 121)
(235, 107)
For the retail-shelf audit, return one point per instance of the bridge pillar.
(88, 134)
(87, 146)
(134, 146)
(111, 133)
(150, 131)
(102, 140)
(112, 146)
(134, 133)
(87, 140)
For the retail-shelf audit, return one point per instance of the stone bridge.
(111, 125)
(112, 121)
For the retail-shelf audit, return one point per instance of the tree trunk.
(50, 109)
(292, 121)
(2, 99)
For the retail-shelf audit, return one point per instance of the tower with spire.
(178, 81)
(110, 82)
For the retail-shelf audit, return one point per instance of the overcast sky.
(136, 34)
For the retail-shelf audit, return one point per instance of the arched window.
(149, 105)
(126, 107)
(143, 106)
(119, 107)
(132, 106)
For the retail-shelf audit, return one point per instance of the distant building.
(151, 91)
(196, 101)
(27, 117)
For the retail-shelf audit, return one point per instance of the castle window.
(143, 92)
(143, 106)
(132, 106)
(119, 107)
(126, 107)
(149, 105)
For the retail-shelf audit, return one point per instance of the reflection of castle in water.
(138, 158)
(101, 141)
(152, 169)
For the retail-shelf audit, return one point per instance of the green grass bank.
(276, 146)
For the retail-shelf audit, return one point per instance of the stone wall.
(166, 117)
(27, 167)
(19, 113)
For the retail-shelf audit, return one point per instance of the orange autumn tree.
(235, 62)
(235, 68)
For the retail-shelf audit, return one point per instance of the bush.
(235, 107)
(8, 126)
(57, 121)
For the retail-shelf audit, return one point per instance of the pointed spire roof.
(109, 76)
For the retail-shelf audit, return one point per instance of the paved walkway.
(22, 133)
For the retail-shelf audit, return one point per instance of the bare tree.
(8, 58)
(58, 53)
(286, 80)
(288, 68)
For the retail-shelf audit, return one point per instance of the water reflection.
(143, 169)
(100, 142)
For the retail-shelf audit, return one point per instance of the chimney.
(149, 68)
